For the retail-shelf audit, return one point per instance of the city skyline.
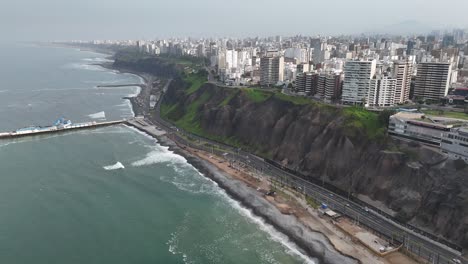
(29, 20)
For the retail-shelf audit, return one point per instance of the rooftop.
(437, 121)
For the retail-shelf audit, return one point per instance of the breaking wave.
(116, 166)
(84, 66)
(160, 155)
(201, 184)
(99, 115)
(97, 60)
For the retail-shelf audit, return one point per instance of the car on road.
(366, 209)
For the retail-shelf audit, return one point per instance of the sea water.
(108, 195)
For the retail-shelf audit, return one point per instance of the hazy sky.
(129, 19)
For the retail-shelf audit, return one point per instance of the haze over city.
(30, 20)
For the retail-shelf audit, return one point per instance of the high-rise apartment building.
(403, 70)
(271, 70)
(357, 76)
(332, 87)
(432, 81)
(306, 83)
(382, 91)
(317, 54)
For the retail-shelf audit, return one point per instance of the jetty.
(60, 126)
(141, 124)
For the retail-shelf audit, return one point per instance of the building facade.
(455, 143)
(333, 85)
(403, 71)
(271, 70)
(429, 130)
(432, 81)
(357, 77)
(306, 83)
(382, 91)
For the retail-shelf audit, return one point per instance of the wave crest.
(160, 156)
(116, 166)
(99, 115)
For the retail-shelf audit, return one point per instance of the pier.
(33, 131)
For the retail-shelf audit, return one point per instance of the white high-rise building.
(403, 70)
(271, 70)
(358, 75)
(231, 59)
(382, 91)
(432, 81)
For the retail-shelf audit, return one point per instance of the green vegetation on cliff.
(189, 121)
(195, 80)
(232, 93)
(256, 95)
(359, 120)
(297, 100)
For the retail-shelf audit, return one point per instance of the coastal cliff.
(345, 147)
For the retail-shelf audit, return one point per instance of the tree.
(384, 116)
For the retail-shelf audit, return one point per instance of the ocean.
(108, 195)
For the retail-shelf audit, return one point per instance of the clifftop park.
(346, 148)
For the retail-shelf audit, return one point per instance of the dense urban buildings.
(374, 71)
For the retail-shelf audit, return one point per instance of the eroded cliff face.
(422, 186)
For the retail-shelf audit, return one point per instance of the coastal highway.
(430, 250)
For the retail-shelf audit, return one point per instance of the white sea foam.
(160, 156)
(136, 91)
(84, 66)
(116, 166)
(97, 60)
(211, 187)
(129, 104)
(173, 242)
(89, 67)
(99, 115)
(269, 229)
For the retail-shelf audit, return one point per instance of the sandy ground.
(291, 203)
